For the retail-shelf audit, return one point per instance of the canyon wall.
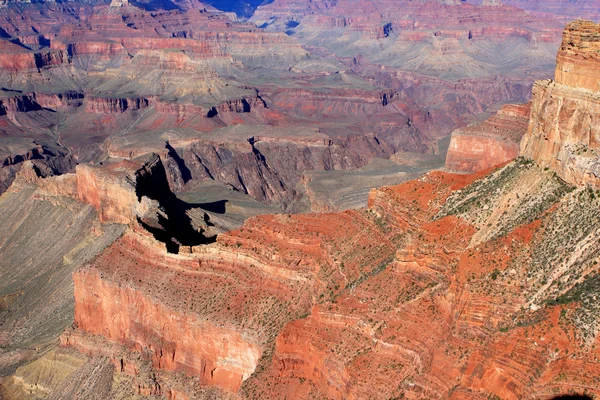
(562, 133)
(268, 168)
(114, 82)
(343, 305)
(495, 141)
(449, 286)
(174, 341)
(173, 321)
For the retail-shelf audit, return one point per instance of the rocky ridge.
(499, 266)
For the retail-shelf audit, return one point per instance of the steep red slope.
(492, 142)
(346, 312)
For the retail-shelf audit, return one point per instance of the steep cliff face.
(114, 105)
(269, 167)
(495, 141)
(579, 57)
(220, 340)
(174, 341)
(109, 191)
(458, 285)
(562, 132)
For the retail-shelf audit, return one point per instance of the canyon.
(289, 223)
(112, 81)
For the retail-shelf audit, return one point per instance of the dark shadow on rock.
(212, 113)
(186, 175)
(217, 207)
(572, 397)
(176, 229)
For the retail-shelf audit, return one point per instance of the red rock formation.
(111, 189)
(222, 351)
(174, 341)
(495, 141)
(579, 57)
(107, 105)
(365, 299)
(561, 133)
(15, 57)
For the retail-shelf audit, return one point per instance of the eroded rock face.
(458, 285)
(492, 142)
(109, 191)
(114, 81)
(173, 320)
(269, 167)
(174, 341)
(577, 64)
(562, 132)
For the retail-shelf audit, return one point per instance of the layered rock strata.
(495, 141)
(333, 306)
(562, 133)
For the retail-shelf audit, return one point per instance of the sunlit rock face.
(495, 141)
(563, 133)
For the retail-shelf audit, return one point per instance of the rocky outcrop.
(24, 103)
(562, 135)
(174, 341)
(577, 64)
(16, 57)
(41, 160)
(495, 141)
(111, 191)
(214, 341)
(331, 103)
(107, 105)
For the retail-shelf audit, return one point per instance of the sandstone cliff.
(561, 134)
(336, 297)
(495, 141)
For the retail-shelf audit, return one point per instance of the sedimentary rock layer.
(495, 141)
(335, 305)
(562, 134)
